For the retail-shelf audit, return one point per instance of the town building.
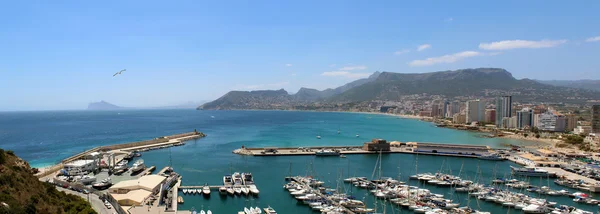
(475, 111)
(596, 118)
(525, 118)
(490, 116)
(377, 145)
(503, 109)
(425, 114)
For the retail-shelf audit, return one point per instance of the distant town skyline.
(63, 55)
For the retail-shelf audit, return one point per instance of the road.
(97, 204)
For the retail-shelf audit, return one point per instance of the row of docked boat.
(574, 184)
(202, 212)
(238, 184)
(309, 191)
(440, 179)
(205, 191)
(522, 202)
(544, 190)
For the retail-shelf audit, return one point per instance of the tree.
(525, 135)
(537, 136)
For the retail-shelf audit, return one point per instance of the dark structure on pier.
(377, 145)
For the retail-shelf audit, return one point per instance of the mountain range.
(106, 106)
(583, 84)
(481, 82)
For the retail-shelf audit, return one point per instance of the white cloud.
(423, 47)
(351, 68)
(288, 65)
(446, 58)
(345, 74)
(400, 52)
(449, 19)
(593, 39)
(276, 85)
(515, 44)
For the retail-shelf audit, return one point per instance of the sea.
(46, 137)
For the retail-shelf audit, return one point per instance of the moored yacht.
(531, 172)
(227, 180)
(493, 157)
(327, 152)
(247, 178)
(138, 166)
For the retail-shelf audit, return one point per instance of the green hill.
(21, 192)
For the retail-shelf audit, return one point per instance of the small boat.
(247, 211)
(104, 184)
(206, 190)
(357, 135)
(199, 191)
(253, 190)
(247, 178)
(202, 212)
(342, 156)
(179, 200)
(185, 191)
(269, 210)
(208, 212)
(318, 136)
(87, 179)
(257, 210)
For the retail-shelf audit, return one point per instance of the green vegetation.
(573, 139)
(24, 193)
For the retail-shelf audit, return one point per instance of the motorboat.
(202, 212)
(104, 184)
(138, 166)
(257, 210)
(531, 172)
(185, 191)
(206, 190)
(253, 189)
(223, 190)
(534, 208)
(245, 190)
(247, 178)
(270, 210)
(208, 212)
(230, 191)
(248, 211)
(237, 190)
(227, 180)
(87, 179)
(237, 178)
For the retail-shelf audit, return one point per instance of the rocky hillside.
(21, 192)
(102, 105)
(582, 84)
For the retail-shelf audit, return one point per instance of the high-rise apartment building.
(475, 111)
(596, 118)
(525, 118)
(490, 115)
(503, 109)
(570, 122)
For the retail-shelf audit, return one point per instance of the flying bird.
(121, 71)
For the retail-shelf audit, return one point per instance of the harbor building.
(596, 119)
(80, 166)
(503, 109)
(525, 118)
(475, 111)
(135, 192)
(377, 145)
(452, 149)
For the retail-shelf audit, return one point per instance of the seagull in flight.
(121, 71)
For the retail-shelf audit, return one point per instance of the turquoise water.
(44, 138)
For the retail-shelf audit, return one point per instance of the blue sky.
(62, 55)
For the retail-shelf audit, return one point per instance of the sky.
(61, 55)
